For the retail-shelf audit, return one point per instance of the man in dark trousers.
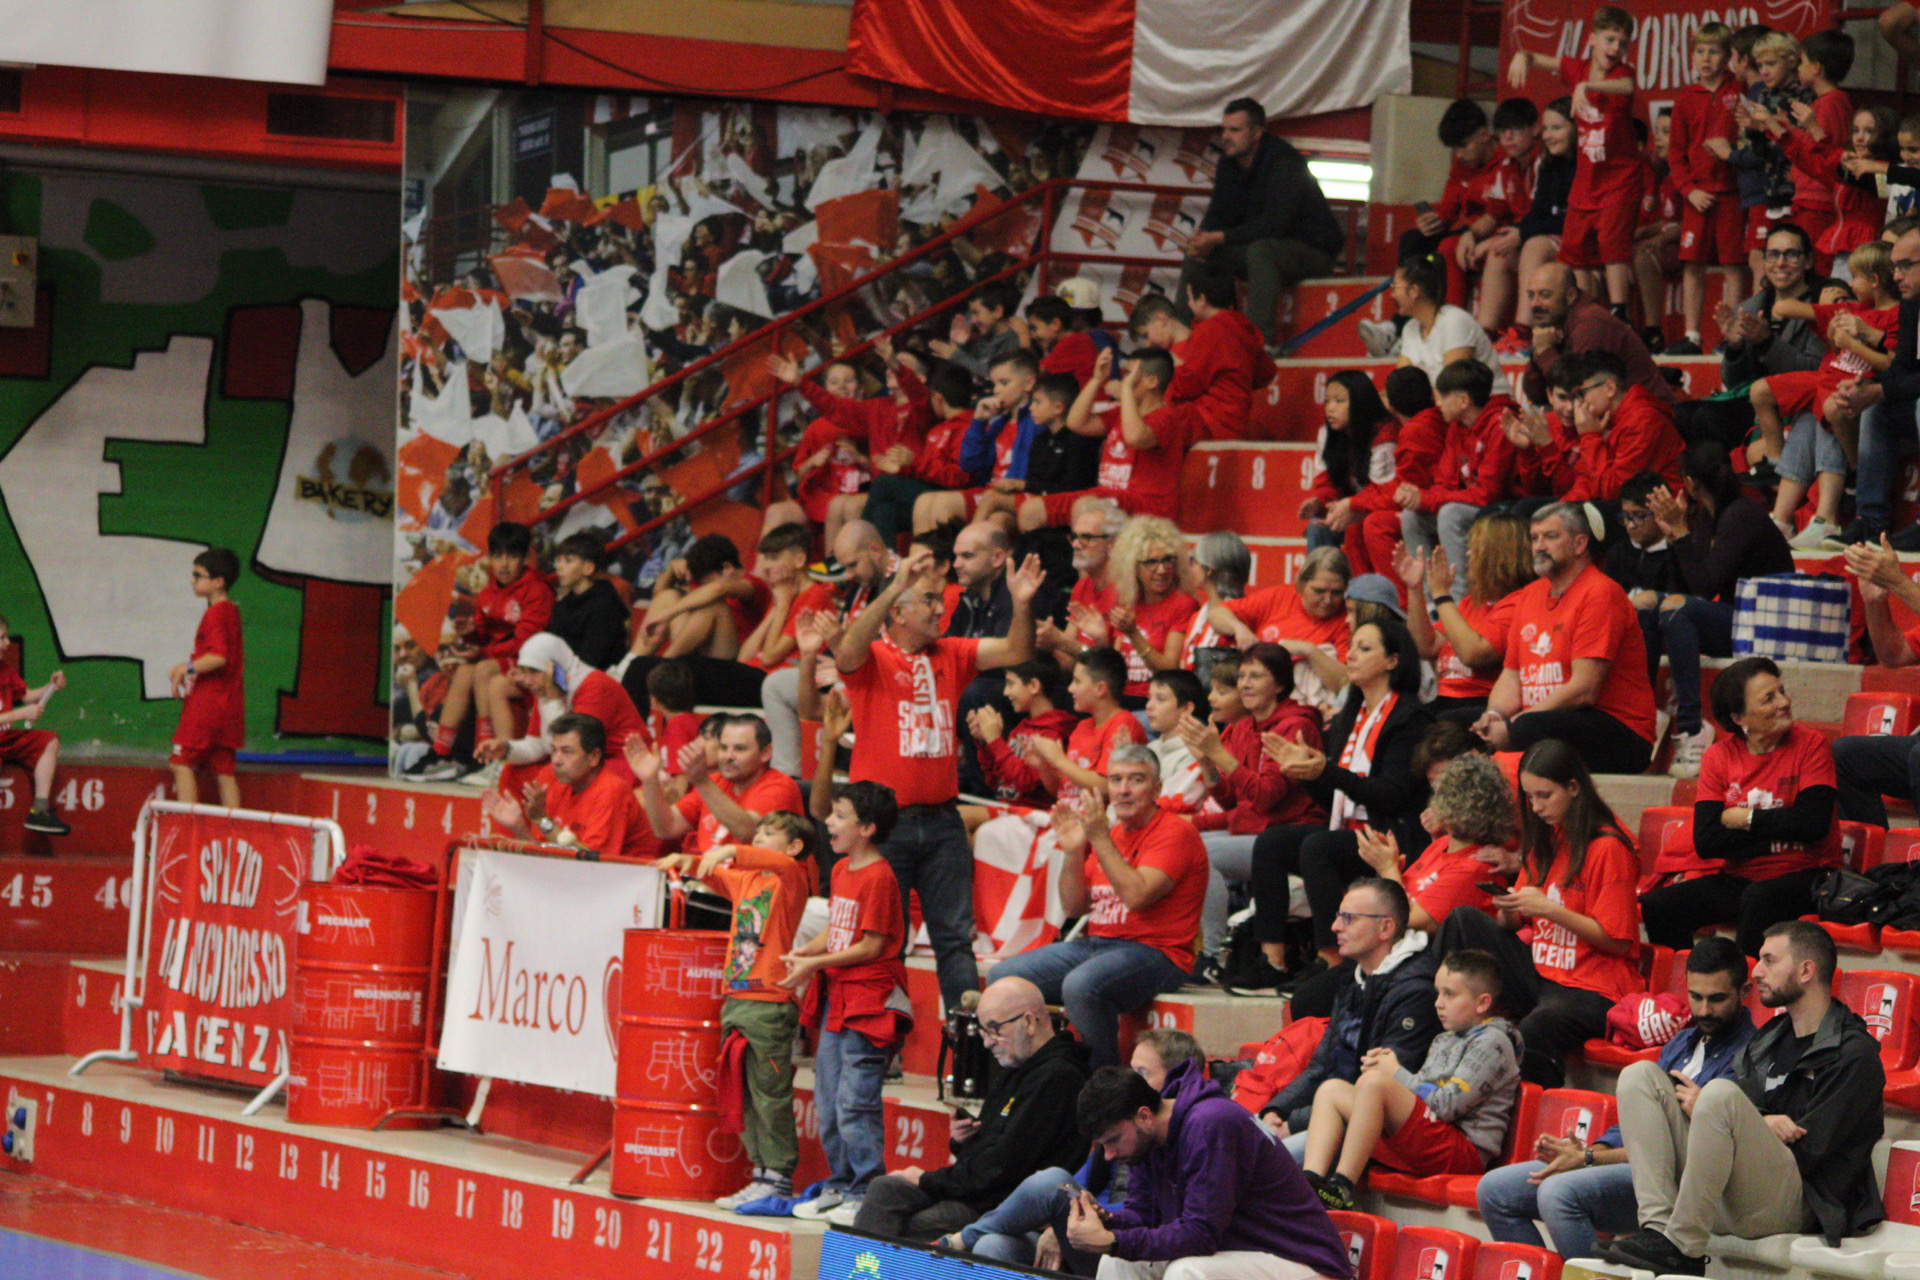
(1268, 222)
(1025, 1125)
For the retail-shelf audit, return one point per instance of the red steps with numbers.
(90, 1006)
(99, 800)
(65, 904)
(472, 1205)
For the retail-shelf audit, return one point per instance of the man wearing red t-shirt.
(574, 800)
(723, 810)
(1621, 431)
(904, 681)
(1094, 525)
(1576, 663)
(1763, 806)
(1140, 884)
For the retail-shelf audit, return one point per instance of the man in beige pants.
(1782, 1144)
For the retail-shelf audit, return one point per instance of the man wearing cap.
(1576, 664)
(1064, 329)
(1268, 221)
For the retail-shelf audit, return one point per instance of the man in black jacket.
(1388, 1005)
(1887, 406)
(1026, 1124)
(1268, 221)
(1784, 1144)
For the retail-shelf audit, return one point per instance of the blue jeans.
(1699, 626)
(929, 852)
(1885, 437)
(848, 1072)
(1007, 1232)
(1574, 1205)
(1097, 979)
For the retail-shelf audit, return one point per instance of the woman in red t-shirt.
(1763, 806)
(1471, 819)
(1151, 614)
(1466, 640)
(1573, 908)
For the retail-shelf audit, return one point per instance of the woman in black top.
(1718, 536)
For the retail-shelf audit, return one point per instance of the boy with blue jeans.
(858, 955)
(1578, 1190)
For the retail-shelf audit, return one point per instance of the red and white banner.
(533, 984)
(1170, 62)
(1016, 884)
(1659, 51)
(225, 906)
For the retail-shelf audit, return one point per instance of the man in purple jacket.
(1209, 1196)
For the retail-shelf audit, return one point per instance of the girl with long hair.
(1466, 639)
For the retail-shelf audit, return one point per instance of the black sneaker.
(1856, 532)
(43, 819)
(1684, 347)
(1207, 972)
(1908, 539)
(1651, 1250)
(1314, 968)
(1656, 340)
(1335, 1192)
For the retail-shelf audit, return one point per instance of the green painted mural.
(213, 365)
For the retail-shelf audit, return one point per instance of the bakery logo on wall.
(352, 481)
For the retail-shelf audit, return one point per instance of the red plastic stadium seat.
(1501, 1261)
(1880, 713)
(1458, 1188)
(1861, 845)
(1580, 1114)
(1661, 827)
(1887, 1001)
(1369, 1242)
(1433, 1253)
(1902, 1184)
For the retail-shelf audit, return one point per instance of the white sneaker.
(1687, 750)
(445, 769)
(1380, 337)
(820, 1206)
(1816, 533)
(843, 1214)
(754, 1190)
(487, 775)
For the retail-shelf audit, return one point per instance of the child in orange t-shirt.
(768, 881)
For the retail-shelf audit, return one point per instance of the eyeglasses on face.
(1348, 917)
(1088, 537)
(1783, 255)
(998, 1030)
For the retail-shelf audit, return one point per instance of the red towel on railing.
(366, 865)
(730, 1082)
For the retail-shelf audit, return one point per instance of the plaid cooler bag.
(1792, 615)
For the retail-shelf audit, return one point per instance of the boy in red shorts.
(35, 750)
(1607, 180)
(1452, 1118)
(1712, 228)
(213, 721)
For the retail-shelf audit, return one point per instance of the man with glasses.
(1887, 405)
(1567, 322)
(1387, 1004)
(1026, 1124)
(1095, 523)
(1139, 881)
(1619, 429)
(1758, 346)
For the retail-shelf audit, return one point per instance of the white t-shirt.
(1453, 328)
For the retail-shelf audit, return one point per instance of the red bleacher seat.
(1665, 970)
(1884, 712)
(1902, 844)
(1580, 1114)
(1501, 1261)
(1369, 1241)
(1661, 827)
(1458, 1188)
(1433, 1253)
(1903, 1183)
(1887, 1000)
(1862, 845)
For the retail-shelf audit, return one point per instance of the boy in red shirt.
(575, 800)
(1146, 443)
(213, 718)
(1004, 756)
(1712, 228)
(1067, 335)
(1225, 362)
(768, 882)
(35, 750)
(1605, 200)
(1817, 136)
(1099, 679)
(514, 606)
(949, 393)
(1440, 229)
(1475, 467)
(867, 1012)
(1618, 431)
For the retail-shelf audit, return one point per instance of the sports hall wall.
(212, 365)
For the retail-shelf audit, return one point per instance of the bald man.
(1565, 320)
(868, 563)
(980, 554)
(1026, 1124)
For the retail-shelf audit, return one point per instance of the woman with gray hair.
(1217, 572)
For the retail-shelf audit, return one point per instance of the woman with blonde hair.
(1466, 639)
(1151, 613)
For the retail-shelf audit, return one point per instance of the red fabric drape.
(1027, 55)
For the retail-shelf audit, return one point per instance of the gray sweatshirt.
(1471, 1080)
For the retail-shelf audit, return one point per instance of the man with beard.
(984, 611)
(867, 560)
(1576, 663)
(726, 810)
(904, 681)
(1267, 222)
(1565, 321)
(1783, 1145)
(1581, 1187)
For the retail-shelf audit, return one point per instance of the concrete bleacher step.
(64, 904)
(468, 1204)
